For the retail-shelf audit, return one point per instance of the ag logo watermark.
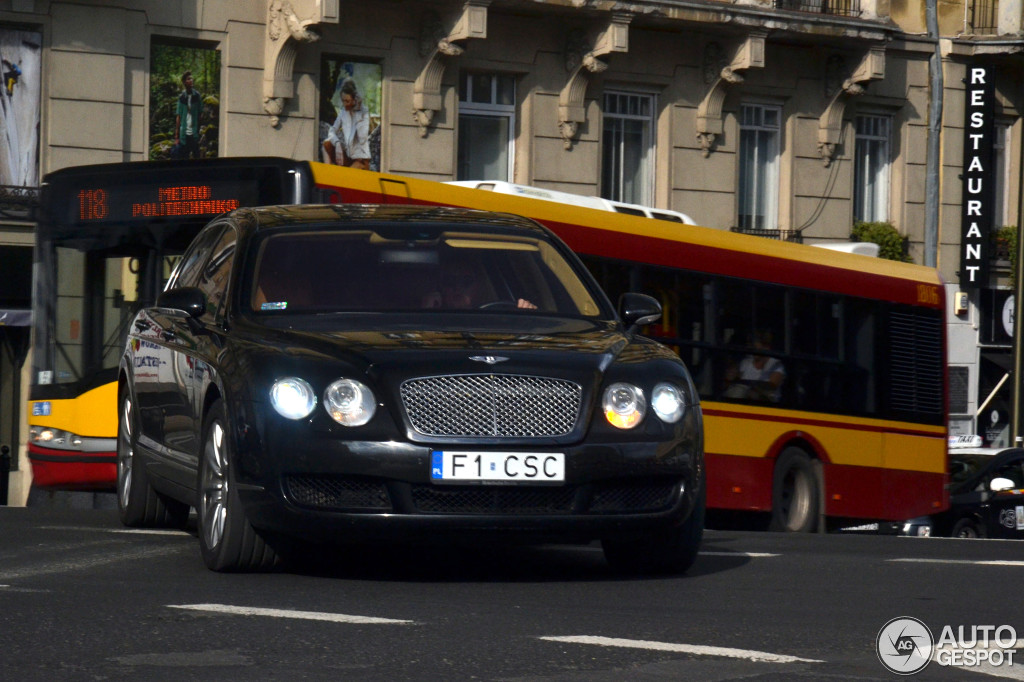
(904, 645)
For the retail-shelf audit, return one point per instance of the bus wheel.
(137, 503)
(794, 493)
(666, 551)
(226, 538)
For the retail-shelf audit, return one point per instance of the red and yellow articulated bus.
(848, 423)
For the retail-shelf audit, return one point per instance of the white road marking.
(285, 613)
(128, 531)
(577, 548)
(694, 649)
(67, 565)
(959, 561)
(752, 555)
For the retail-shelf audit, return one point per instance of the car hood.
(563, 348)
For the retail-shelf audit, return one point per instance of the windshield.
(963, 466)
(364, 270)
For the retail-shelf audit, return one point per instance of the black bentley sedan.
(336, 374)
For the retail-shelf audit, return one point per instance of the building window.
(487, 106)
(627, 153)
(1001, 174)
(759, 166)
(871, 169)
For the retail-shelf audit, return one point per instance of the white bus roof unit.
(576, 200)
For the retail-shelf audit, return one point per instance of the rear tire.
(138, 505)
(226, 538)
(670, 551)
(794, 493)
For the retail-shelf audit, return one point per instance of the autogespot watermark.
(906, 646)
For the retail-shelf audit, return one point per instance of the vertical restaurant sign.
(978, 203)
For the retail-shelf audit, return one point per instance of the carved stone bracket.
(582, 58)
(438, 41)
(722, 70)
(286, 29)
(871, 68)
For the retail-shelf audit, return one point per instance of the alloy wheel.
(215, 487)
(125, 454)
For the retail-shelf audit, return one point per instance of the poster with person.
(184, 101)
(21, 60)
(350, 113)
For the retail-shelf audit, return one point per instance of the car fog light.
(667, 402)
(624, 405)
(349, 402)
(293, 398)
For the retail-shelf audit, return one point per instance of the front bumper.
(335, 491)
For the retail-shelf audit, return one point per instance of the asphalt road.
(83, 599)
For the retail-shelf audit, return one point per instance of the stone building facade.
(787, 118)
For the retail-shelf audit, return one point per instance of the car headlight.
(349, 402)
(668, 403)
(624, 405)
(292, 397)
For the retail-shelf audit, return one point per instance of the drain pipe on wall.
(931, 185)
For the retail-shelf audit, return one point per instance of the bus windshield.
(91, 298)
(107, 241)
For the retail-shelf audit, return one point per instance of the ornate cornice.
(830, 124)
(583, 57)
(439, 41)
(722, 70)
(289, 24)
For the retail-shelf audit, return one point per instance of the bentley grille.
(491, 405)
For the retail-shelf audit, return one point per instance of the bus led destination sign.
(103, 204)
(189, 200)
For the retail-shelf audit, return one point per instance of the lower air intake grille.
(492, 500)
(333, 492)
(634, 497)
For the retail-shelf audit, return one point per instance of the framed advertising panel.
(184, 118)
(350, 113)
(21, 60)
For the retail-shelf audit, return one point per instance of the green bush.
(1005, 242)
(891, 244)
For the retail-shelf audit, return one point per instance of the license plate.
(463, 465)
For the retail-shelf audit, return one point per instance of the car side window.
(189, 270)
(1011, 471)
(215, 274)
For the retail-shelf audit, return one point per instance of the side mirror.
(188, 299)
(638, 309)
(999, 484)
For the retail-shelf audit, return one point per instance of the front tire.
(226, 538)
(794, 493)
(138, 505)
(967, 529)
(671, 551)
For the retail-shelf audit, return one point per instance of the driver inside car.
(464, 285)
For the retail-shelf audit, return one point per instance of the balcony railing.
(782, 235)
(984, 17)
(845, 8)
